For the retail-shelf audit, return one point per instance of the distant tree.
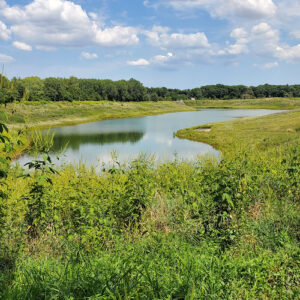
(122, 90)
(54, 89)
(136, 90)
(34, 87)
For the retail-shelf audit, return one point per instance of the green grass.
(201, 230)
(53, 114)
(206, 229)
(248, 133)
(265, 103)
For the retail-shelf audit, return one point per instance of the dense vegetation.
(226, 229)
(254, 133)
(49, 114)
(74, 89)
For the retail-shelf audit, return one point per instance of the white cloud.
(239, 33)
(162, 59)
(237, 49)
(139, 62)
(289, 53)
(53, 23)
(116, 36)
(5, 58)
(4, 32)
(240, 46)
(158, 60)
(22, 46)
(266, 41)
(251, 9)
(88, 55)
(93, 16)
(160, 37)
(270, 65)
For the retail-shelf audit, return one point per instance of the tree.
(35, 88)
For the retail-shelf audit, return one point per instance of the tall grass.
(42, 142)
(179, 230)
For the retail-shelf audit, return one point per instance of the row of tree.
(69, 89)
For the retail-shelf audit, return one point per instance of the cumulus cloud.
(53, 23)
(239, 33)
(4, 32)
(265, 41)
(289, 53)
(240, 46)
(157, 60)
(22, 46)
(162, 59)
(88, 55)
(139, 62)
(116, 36)
(251, 9)
(5, 58)
(160, 37)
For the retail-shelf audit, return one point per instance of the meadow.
(45, 114)
(259, 103)
(253, 133)
(208, 229)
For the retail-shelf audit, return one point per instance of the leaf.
(227, 197)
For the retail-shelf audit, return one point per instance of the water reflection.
(76, 140)
(93, 143)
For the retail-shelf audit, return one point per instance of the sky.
(172, 43)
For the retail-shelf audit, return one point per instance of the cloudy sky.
(173, 43)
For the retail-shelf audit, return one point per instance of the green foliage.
(41, 143)
(224, 228)
(74, 89)
(207, 229)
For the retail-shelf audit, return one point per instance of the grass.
(254, 133)
(54, 114)
(264, 103)
(201, 230)
(206, 229)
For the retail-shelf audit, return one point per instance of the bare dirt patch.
(207, 129)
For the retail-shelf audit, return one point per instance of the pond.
(93, 143)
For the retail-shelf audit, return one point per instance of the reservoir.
(94, 143)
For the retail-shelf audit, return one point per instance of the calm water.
(93, 143)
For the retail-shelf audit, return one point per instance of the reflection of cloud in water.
(163, 140)
(92, 143)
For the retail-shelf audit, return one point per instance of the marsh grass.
(197, 230)
(41, 142)
(255, 133)
(207, 229)
(264, 103)
(52, 114)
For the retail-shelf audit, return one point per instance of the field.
(208, 229)
(53, 114)
(265, 103)
(256, 133)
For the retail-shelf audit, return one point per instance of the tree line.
(71, 89)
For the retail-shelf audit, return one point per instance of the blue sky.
(173, 43)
